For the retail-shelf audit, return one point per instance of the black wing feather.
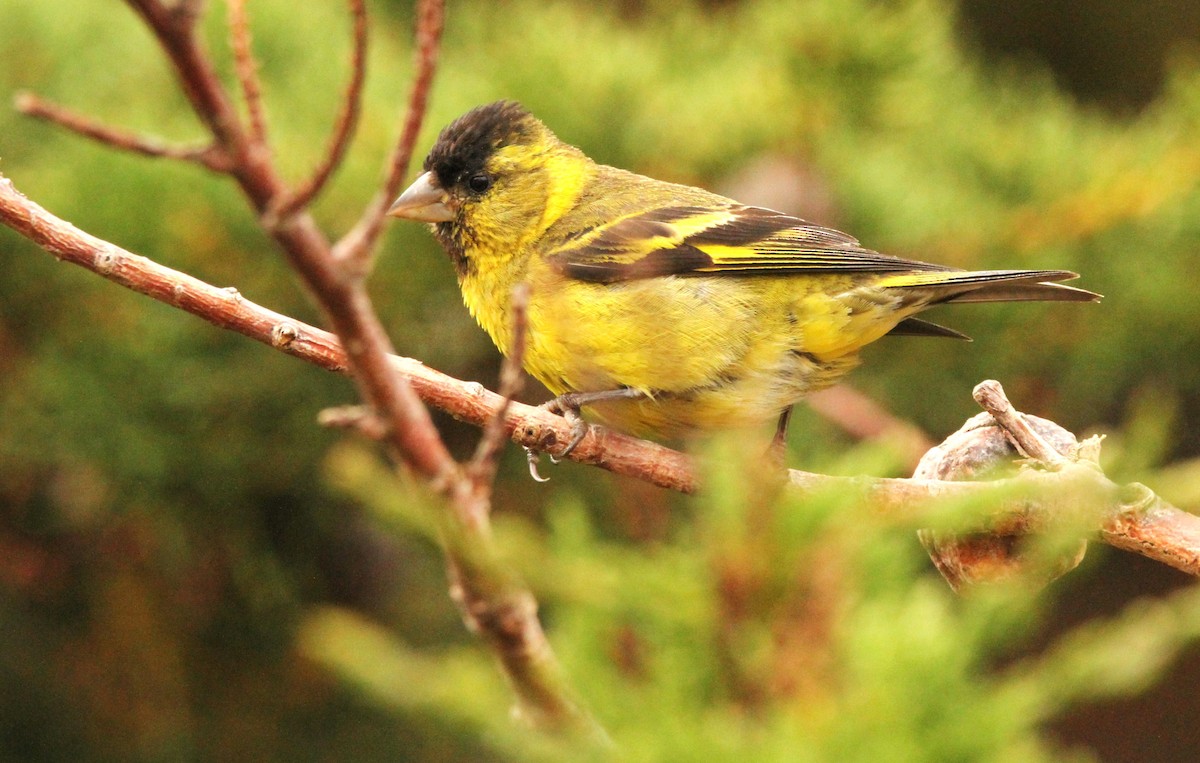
(652, 244)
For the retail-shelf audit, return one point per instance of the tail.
(993, 285)
(957, 286)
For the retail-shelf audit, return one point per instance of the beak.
(424, 201)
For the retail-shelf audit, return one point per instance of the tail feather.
(920, 327)
(1027, 292)
(994, 285)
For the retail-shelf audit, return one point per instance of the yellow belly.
(710, 352)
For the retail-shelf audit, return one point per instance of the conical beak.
(424, 201)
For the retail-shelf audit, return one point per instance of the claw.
(531, 456)
(568, 407)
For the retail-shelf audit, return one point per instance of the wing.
(694, 240)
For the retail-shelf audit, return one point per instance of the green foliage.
(766, 629)
(180, 578)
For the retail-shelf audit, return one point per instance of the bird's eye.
(479, 183)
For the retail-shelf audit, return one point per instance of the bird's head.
(491, 180)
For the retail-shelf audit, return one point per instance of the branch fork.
(334, 272)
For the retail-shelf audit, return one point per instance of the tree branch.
(344, 125)
(482, 467)
(467, 401)
(1131, 517)
(357, 245)
(247, 70)
(188, 11)
(175, 29)
(210, 156)
(511, 627)
(990, 396)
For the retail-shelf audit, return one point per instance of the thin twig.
(504, 614)
(360, 418)
(247, 71)
(188, 11)
(347, 120)
(347, 306)
(31, 105)
(357, 245)
(482, 467)
(990, 396)
(175, 29)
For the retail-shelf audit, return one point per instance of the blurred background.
(190, 569)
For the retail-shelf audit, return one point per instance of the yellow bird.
(665, 309)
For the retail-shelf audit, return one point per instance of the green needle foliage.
(768, 628)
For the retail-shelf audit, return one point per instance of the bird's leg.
(568, 406)
(777, 450)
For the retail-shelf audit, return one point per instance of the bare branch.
(175, 29)
(990, 396)
(360, 418)
(31, 105)
(347, 120)
(188, 11)
(482, 467)
(467, 401)
(1130, 517)
(358, 244)
(1149, 526)
(482, 580)
(430, 23)
(504, 614)
(247, 71)
(347, 306)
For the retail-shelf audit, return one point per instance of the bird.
(665, 310)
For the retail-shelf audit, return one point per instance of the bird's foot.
(569, 406)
